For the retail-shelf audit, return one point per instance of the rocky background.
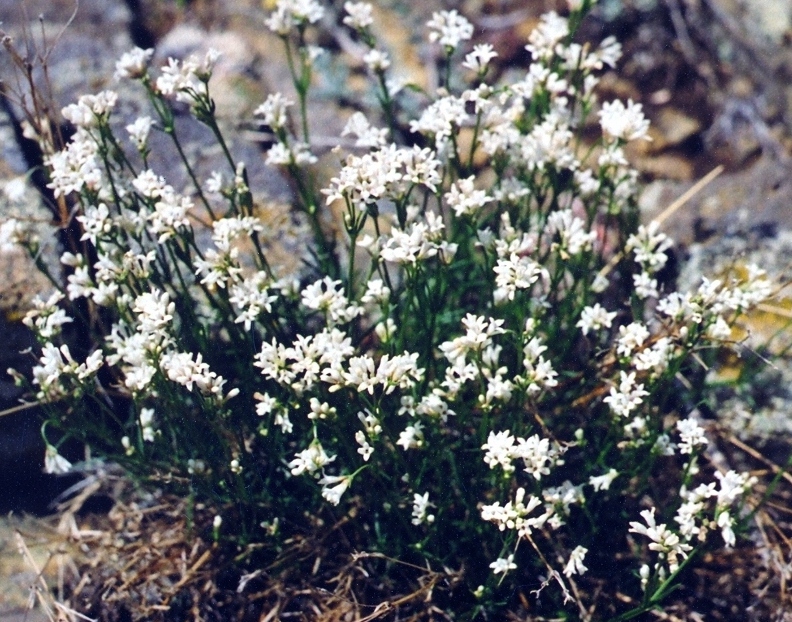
(713, 75)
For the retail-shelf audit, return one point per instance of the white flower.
(274, 110)
(538, 455)
(358, 15)
(58, 374)
(129, 448)
(732, 486)
(333, 486)
(595, 318)
(726, 523)
(365, 449)
(441, 119)
(479, 331)
(96, 222)
(214, 185)
(479, 58)
(281, 154)
(182, 369)
(503, 565)
(146, 419)
(367, 134)
(377, 60)
(90, 109)
(463, 197)
(139, 130)
(206, 66)
(627, 397)
(539, 371)
(411, 437)
(719, 329)
(409, 246)
(289, 14)
(645, 286)
(600, 283)
(12, 234)
(656, 357)
(149, 184)
(310, 460)
(622, 122)
(376, 292)
(562, 498)
(449, 28)
(612, 156)
(515, 273)
(552, 29)
(252, 297)
(432, 405)
(663, 539)
(499, 450)
(687, 513)
(77, 167)
(46, 318)
(133, 64)
(649, 245)
(574, 238)
(54, 463)
(155, 311)
(549, 143)
(321, 410)
(178, 78)
(631, 337)
(327, 295)
(603, 482)
(498, 388)
(79, 283)
(609, 52)
(691, 434)
(420, 508)
(514, 515)
(575, 564)
(218, 269)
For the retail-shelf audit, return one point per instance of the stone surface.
(754, 201)
(19, 278)
(18, 575)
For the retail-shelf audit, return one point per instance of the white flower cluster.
(538, 455)
(133, 65)
(77, 167)
(290, 14)
(620, 122)
(693, 519)
(58, 375)
(186, 80)
(449, 28)
(358, 15)
(458, 317)
(388, 173)
(90, 110)
(46, 318)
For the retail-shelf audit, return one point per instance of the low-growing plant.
(479, 370)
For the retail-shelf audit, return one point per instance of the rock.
(666, 166)
(772, 19)
(674, 127)
(19, 278)
(750, 202)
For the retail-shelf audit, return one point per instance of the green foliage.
(479, 374)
